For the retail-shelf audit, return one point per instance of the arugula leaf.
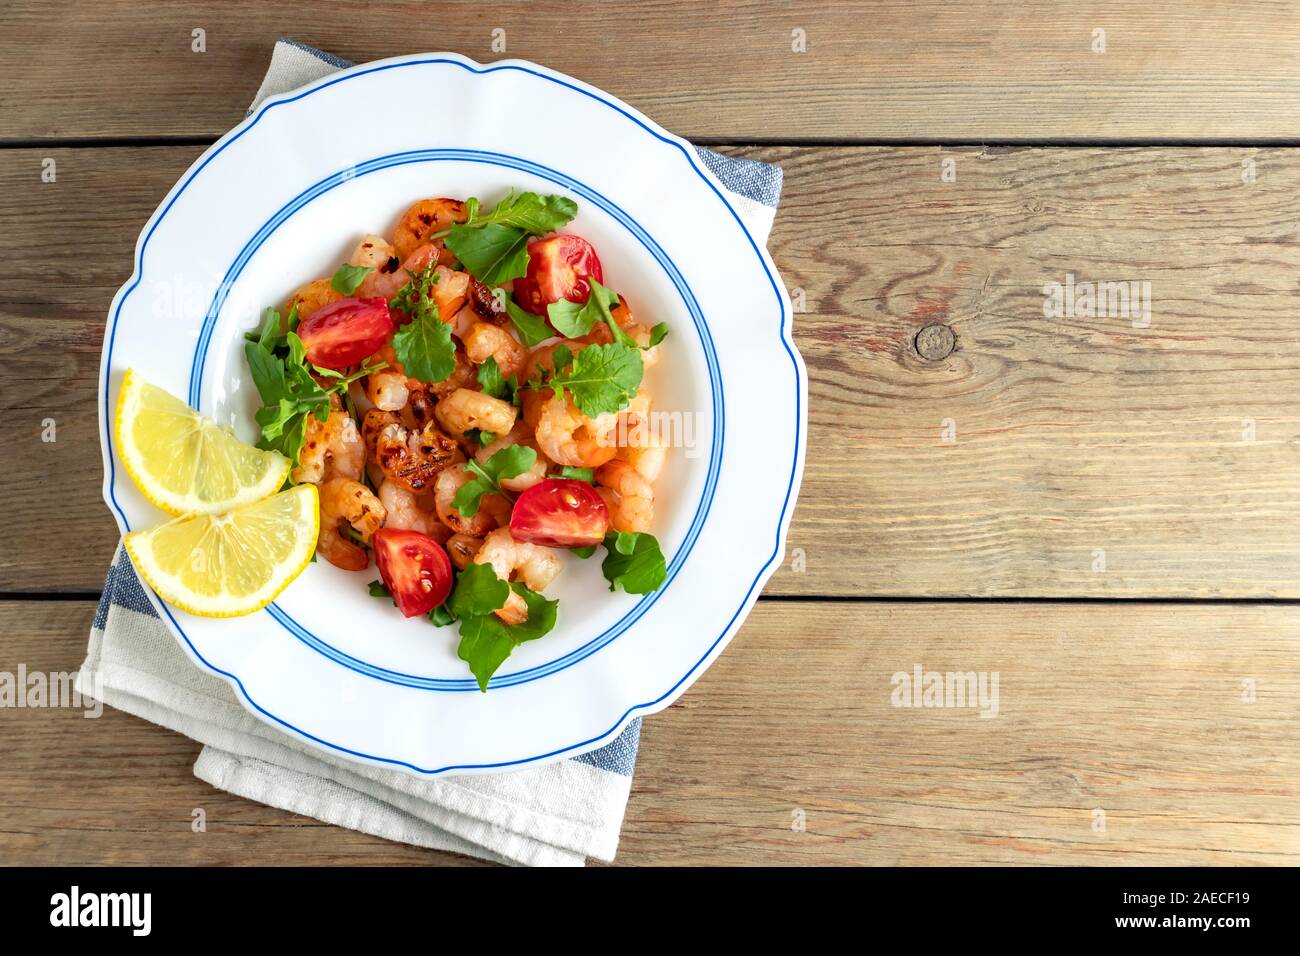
(478, 591)
(561, 358)
(634, 562)
(532, 329)
(425, 349)
(348, 277)
(573, 320)
(423, 345)
(601, 379)
(581, 474)
(494, 383)
(541, 615)
(493, 246)
(379, 589)
(269, 331)
(492, 253)
(527, 210)
(584, 553)
(267, 372)
(440, 616)
(287, 384)
(486, 642)
(415, 298)
(509, 462)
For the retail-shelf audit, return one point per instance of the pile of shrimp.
(401, 464)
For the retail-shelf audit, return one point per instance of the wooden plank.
(1088, 455)
(978, 71)
(1078, 440)
(1139, 715)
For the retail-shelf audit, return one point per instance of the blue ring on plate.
(638, 610)
(582, 745)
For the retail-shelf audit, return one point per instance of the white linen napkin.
(553, 815)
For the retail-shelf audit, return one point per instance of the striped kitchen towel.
(552, 815)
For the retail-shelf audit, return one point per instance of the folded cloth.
(553, 815)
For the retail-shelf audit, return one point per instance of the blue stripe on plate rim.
(694, 163)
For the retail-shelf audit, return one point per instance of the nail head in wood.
(935, 342)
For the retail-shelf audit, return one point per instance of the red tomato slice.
(560, 513)
(415, 569)
(346, 332)
(558, 268)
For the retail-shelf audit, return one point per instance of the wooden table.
(1103, 510)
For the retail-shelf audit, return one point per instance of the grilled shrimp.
(450, 292)
(422, 220)
(413, 457)
(387, 275)
(626, 482)
(389, 388)
(405, 512)
(330, 449)
(463, 410)
(492, 509)
(461, 548)
(642, 448)
(344, 501)
(484, 340)
(631, 513)
(312, 296)
(533, 564)
(568, 437)
(519, 435)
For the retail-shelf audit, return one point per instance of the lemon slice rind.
(223, 448)
(169, 580)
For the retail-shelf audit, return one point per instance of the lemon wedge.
(183, 463)
(230, 564)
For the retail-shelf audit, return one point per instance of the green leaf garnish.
(634, 562)
(486, 642)
(600, 379)
(425, 349)
(532, 329)
(493, 254)
(478, 591)
(509, 462)
(528, 211)
(580, 474)
(573, 320)
(493, 245)
(495, 384)
(348, 277)
(423, 345)
(289, 385)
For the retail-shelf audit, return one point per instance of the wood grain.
(1079, 442)
(1140, 716)
(928, 70)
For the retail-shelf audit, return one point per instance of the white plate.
(283, 198)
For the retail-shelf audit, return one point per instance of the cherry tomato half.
(415, 569)
(560, 513)
(346, 332)
(558, 267)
